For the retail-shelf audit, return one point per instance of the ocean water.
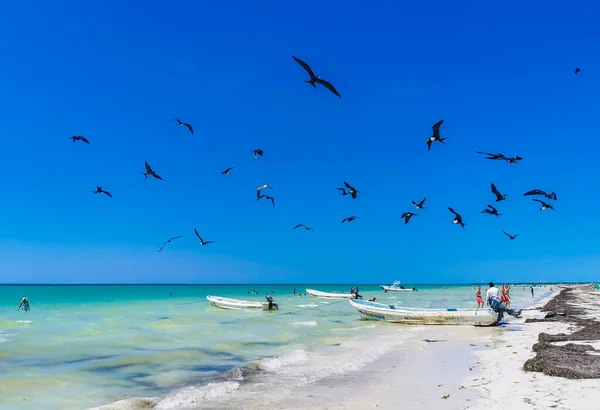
(86, 346)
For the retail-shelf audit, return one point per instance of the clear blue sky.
(499, 74)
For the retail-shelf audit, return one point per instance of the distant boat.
(236, 304)
(396, 287)
(327, 295)
(416, 316)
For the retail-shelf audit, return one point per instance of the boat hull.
(410, 316)
(236, 304)
(326, 295)
(394, 289)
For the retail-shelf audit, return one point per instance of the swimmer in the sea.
(25, 305)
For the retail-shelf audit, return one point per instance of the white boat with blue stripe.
(396, 287)
(418, 316)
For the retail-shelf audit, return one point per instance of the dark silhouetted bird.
(349, 219)
(551, 195)
(436, 135)
(79, 138)
(499, 196)
(183, 124)
(491, 211)
(257, 152)
(420, 204)
(457, 218)
(407, 216)
(227, 171)
(577, 70)
(99, 190)
(169, 241)
(260, 188)
(202, 241)
(306, 228)
(150, 172)
(544, 205)
(514, 159)
(351, 190)
(344, 192)
(511, 236)
(268, 198)
(315, 79)
(492, 156)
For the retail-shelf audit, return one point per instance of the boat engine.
(354, 291)
(272, 305)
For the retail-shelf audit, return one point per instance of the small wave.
(23, 321)
(308, 306)
(309, 323)
(273, 363)
(191, 395)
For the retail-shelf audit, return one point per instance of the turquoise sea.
(82, 346)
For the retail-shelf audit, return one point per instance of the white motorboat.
(236, 304)
(328, 295)
(417, 316)
(396, 287)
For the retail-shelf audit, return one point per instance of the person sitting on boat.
(25, 305)
(372, 299)
(493, 301)
(271, 303)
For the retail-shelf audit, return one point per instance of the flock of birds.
(349, 189)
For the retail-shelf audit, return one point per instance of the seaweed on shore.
(572, 361)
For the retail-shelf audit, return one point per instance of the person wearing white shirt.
(493, 300)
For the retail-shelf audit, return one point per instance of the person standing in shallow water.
(532, 291)
(478, 297)
(24, 305)
(493, 301)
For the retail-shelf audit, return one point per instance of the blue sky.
(500, 75)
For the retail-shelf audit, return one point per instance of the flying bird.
(315, 79)
(514, 159)
(492, 156)
(260, 188)
(227, 171)
(79, 138)
(306, 228)
(457, 218)
(420, 204)
(150, 172)
(169, 241)
(407, 216)
(202, 242)
(511, 237)
(268, 198)
(551, 195)
(544, 205)
(184, 124)
(351, 190)
(499, 196)
(577, 70)
(99, 190)
(436, 135)
(491, 211)
(349, 219)
(257, 152)
(344, 192)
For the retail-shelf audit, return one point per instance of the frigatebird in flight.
(79, 138)
(227, 171)
(407, 216)
(499, 196)
(551, 195)
(491, 210)
(150, 172)
(457, 218)
(420, 204)
(169, 241)
(202, 241)
(436, 135)
(349, 219)
(511, 237)
(257, 152)
(99, 190)
(184, 124)
(306, 228)
(544, 205)
(316, 79)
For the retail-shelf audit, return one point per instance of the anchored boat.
(417, 316)
(236, 304)
(328, 295)
(396, 287)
